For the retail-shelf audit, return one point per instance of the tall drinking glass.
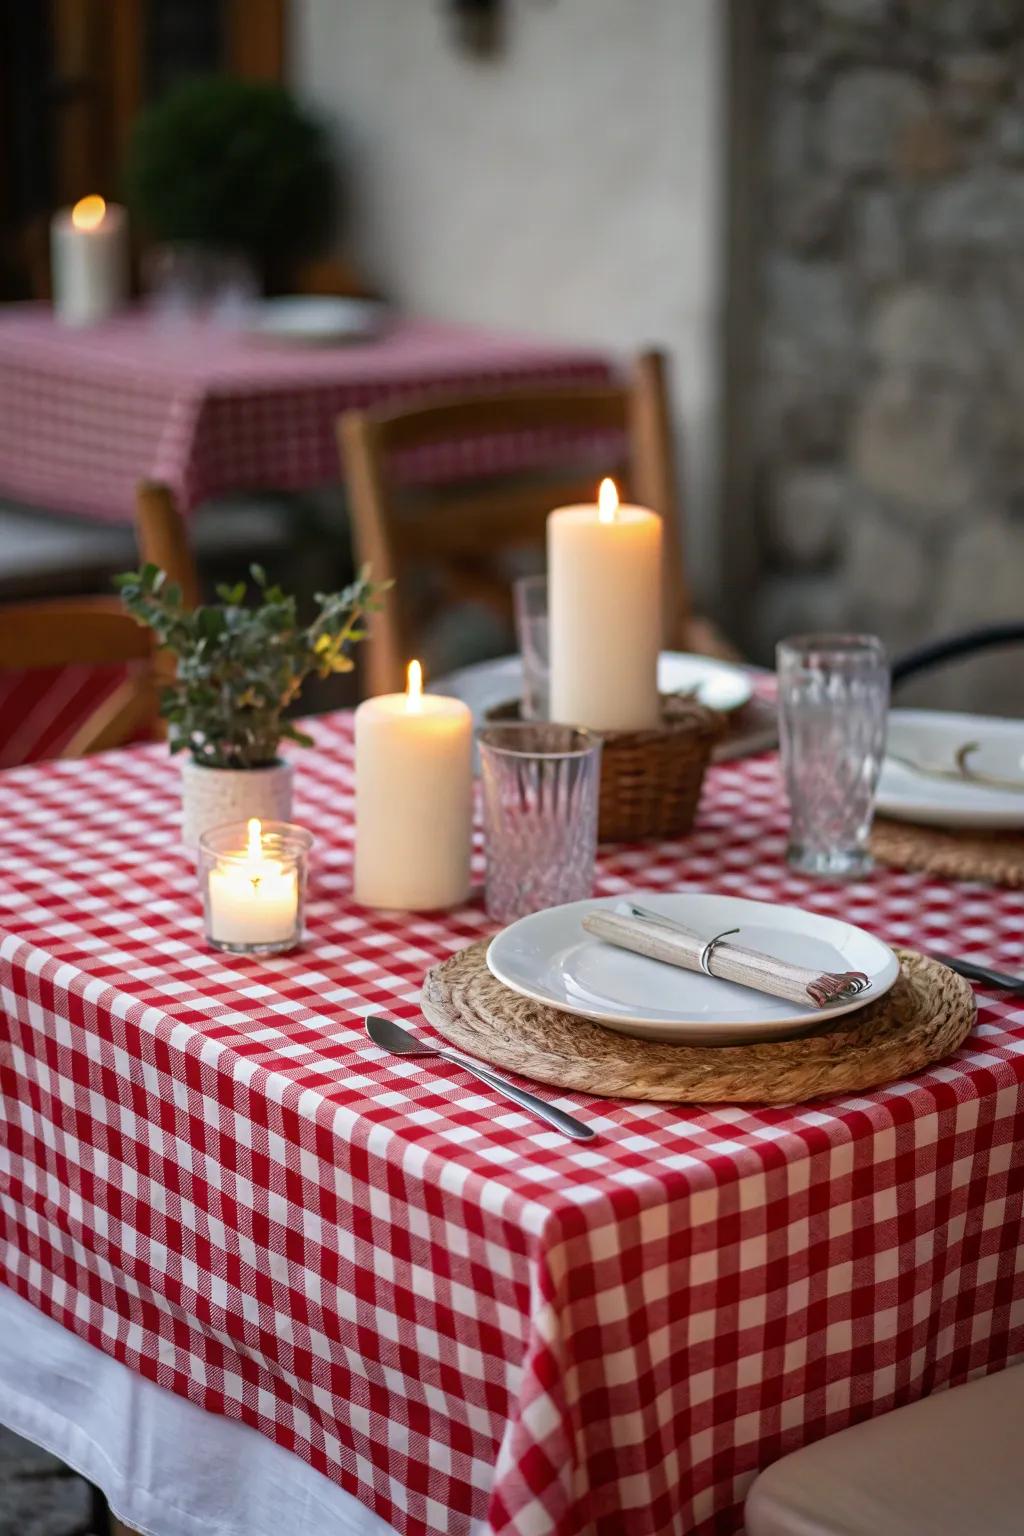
(540, 786)
(530, 596)
(833, 698)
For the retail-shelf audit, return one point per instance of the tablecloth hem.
(160, 1427)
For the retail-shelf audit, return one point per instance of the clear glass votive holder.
(540, 790)
(833, 703)
(530, 600)
(252, 877)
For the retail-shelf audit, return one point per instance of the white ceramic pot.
(212, 796)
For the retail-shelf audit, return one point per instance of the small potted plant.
(239, 668)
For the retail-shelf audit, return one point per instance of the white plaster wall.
(571, 186)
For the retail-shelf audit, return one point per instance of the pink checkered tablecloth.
(207, 1171)
(86, 414)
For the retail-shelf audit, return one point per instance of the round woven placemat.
(995, 857)
(928, 1013)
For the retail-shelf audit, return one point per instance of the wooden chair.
(332, 276)
(95, 632)
(463, 530)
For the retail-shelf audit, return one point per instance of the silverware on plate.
(738, 963)
(962, 772)
(392, 1037)
(974, 971)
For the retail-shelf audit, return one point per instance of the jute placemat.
(995, 857)
(928, 1013)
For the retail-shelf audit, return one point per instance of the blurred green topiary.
(236, 165)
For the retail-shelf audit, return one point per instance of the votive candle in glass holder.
(253, 881)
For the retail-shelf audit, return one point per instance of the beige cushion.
(950, 1465)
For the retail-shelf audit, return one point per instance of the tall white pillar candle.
(604, 614)
(89, 261)
(414, 800)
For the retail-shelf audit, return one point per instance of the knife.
(392, 1037)
(983, 973)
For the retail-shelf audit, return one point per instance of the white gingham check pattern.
(208, 1171)
(86, 414)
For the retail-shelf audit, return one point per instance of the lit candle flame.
(607, 501)
(414, 686)
(89, 213)
(254, 851)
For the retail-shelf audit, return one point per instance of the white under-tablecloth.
(167, 1467)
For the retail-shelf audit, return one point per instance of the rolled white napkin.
(661, 938)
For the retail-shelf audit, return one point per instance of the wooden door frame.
(256, 33)
(103, 46)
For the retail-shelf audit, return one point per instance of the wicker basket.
(651, 780)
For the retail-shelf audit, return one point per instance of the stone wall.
(887, 405)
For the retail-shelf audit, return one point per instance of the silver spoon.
(392, 1037)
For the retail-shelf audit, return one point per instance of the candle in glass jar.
(253, 900)
(89, 261)
(414, 799)
(604, 614)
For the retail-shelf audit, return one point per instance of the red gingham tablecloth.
(85, 414)
(208, 1171)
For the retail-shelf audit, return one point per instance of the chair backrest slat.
(61, 631)
(571, 407)
(95, 631)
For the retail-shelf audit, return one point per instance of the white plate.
(932, 737)
(550, 958)
(717, 683)
(315, 319)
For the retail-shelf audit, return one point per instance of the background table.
(209, 1173)
(86, 414)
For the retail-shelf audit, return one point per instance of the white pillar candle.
(414, 799)
(604, 614)
(89, 261)
(254, 900)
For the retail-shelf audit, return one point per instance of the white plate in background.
(932, 737)
(316, 319)
(718, 684)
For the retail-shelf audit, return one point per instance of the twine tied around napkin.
(661, 938)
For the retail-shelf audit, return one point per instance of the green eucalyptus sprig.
(241, 665)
